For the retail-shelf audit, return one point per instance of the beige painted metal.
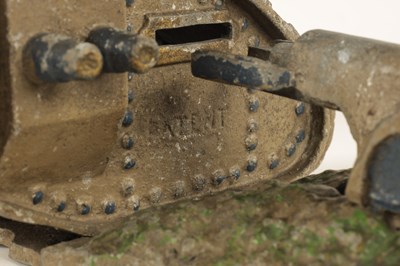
(122, 142)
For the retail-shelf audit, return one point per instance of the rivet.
(235, 172)
(57, 58)
(251, 142)
(127, 142)
(199, 182)
(155, 195)
(128, 119)
(251, 164)
(254, 104)
(291, 149)
(178, 189)
(61, 206)
(37, 197)
(109, 207)
(125, 52)
(273, 162)
(219, 4)
(129, 3)
(219, 177)
(84, 209)
(128, 187)
(300, 136)
(58, 201)
(300, 109)
(134, 203)
(130, 76)
(129, 28)
(245, 24)
(83, 205)
(129, 163)
(131, 96)
(252, 126)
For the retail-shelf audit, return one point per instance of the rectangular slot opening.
(194, 33)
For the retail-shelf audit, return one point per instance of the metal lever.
(358, 76)
(241, 71)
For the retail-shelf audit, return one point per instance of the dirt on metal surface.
(84, 156)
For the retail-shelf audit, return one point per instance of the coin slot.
(194, 33)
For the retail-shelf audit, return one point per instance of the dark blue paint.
(251, 166)
(129, 165)
(252, 146)
(236, 174)
(129, 3)
(254, 105)
(85, 209)
(300, 136)
(300, 109)
(61, 207)
(128, 119)
(291, 151)
(274, 164)
(110, 208)
(384, 175)
(37, 197)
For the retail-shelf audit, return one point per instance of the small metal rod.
(125, 52)
(241, 71)
(58, 58)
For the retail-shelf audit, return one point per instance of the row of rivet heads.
(251, 140)
(84, 205)
(59, 202)
(199, 182)
(109, 206)
(127, 141)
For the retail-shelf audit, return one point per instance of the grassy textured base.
(306, 223)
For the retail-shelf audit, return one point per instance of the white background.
(368, 18)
